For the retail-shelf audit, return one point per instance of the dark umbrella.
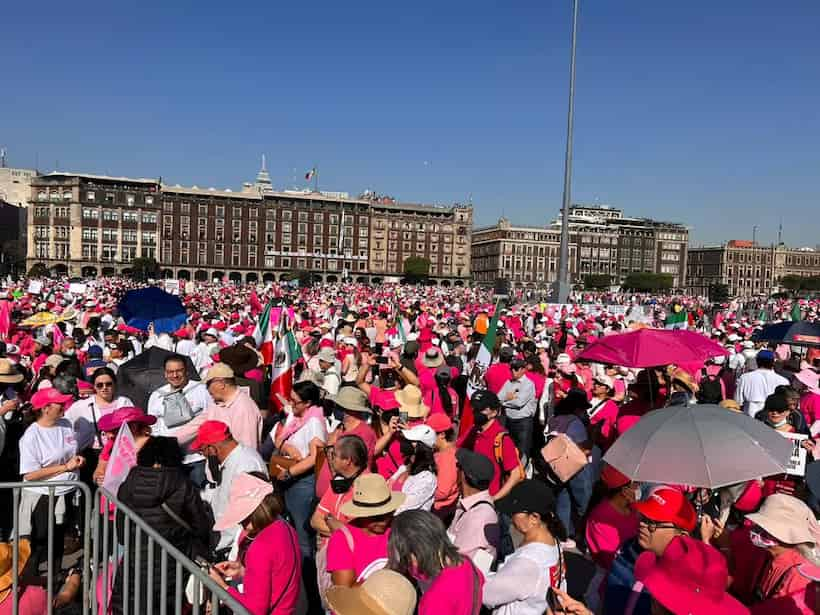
(144, 306)
(145, 373)
(795, 332)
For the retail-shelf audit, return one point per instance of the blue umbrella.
(795, 332)
(144, 306)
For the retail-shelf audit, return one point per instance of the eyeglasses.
(297, 402)
(655, 525)
(104, 384)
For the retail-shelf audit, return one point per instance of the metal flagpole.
(562, 285)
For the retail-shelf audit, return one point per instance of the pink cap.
(48, 396)
(246, 494)
(127, 414)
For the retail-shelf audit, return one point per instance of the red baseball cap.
(44, 397)
(667, 505)
(210, 432)
(439, 422)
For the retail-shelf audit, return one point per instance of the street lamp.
(562, 285)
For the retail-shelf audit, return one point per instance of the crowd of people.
(391, 469)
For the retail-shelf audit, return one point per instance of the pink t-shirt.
(810, 407)
(369, 552)
(606, 531)
(497, 374)
(452, 591)
(606, 415)
(539, 381)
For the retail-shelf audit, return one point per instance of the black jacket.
(144, 492)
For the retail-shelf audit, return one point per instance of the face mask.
(338, 414)
(68, 353)
(760, 541)
(780, 424)
(480, 419)
(341, 484)
(216, 470)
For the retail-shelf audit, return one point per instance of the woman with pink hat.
(139, 423)
(808, 383)
(269, 563)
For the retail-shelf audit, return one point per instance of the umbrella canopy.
(144, 306)
(41, 319)
(651, 347)
(699, 446)
(145, 373)
(798, 333)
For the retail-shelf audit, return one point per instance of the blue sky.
(701, 112)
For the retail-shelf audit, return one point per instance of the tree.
(144, 268)
(305, 278)
(810, 284)
(416, 269)
(791, 282)
(38, 270)
(718, 293)
(647, 281)
(597, 281)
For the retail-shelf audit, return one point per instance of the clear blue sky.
(702, 112)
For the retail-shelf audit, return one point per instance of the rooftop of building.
(93, 177)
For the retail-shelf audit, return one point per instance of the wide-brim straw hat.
(372, 497)
(385, 592)
(409, 399)
(786, 518)
(432, 358)
(8, 374)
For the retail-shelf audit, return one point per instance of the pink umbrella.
(651, 347)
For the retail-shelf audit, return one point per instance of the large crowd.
(398, 449)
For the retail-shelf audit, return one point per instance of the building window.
(90, 213)
(109, 197)
(90, 196)
(286, 262)
(220, 211)
(149, 239)
(185, 208)
(149, 200)
(149, 218)
(131, 217)
(129, 200)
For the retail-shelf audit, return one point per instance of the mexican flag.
(476, 377)
(797, 313)
(284, 362)
(309, 175)
(677, 317)
(263, 335)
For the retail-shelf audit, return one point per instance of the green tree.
(810, 284)
(144, 268)
(718, 293)
(38, 270)
(597, 281)
(305, 278)
(416, 269)
(791, 282)
(647, 281)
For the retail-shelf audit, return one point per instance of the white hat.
(719, 360)
(562, 359)
(748, 344)
(326, 355)
(212, 332)
(733, 337)
(350, 341)
(421, 433)
(412, 337)
(605, 380)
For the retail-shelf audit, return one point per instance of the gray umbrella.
(699, 446)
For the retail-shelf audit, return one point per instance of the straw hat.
(432, 358)
(409, 399)
(6, 561)
(9, 375)
(730, 404)
(787, 519)
(385, 592)
(372, 497)
(352, 399)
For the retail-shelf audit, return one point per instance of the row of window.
(90, 196)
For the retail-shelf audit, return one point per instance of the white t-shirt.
(198, 398)
(420, 490)
(84, 412)
(41, 447)
(313, 428)
(520, 585)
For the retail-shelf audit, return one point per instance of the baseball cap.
(766, 355)
(421, 433)
(95, 352)
(210, 432)
(440, 422)
(670, 506)
(532, 496)
(476, 467)
(218, 370)
(44, 397)
(483, 399)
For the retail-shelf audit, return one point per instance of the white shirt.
(754, 387)
(241, 459)
(41, 447)
(420, 490)
(198, 398)
(520, 585)
(85, 413)
(313, 428)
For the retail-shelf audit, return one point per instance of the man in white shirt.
(331, 380)
(196, 396)
(754, 387)
(226, 460)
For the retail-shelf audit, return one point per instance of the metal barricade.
(102, 552)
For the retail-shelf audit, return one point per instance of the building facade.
(89, 225)
(748, 269)
(15, 185)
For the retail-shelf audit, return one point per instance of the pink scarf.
(297, 423)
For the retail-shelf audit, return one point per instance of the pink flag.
(123, 458)
(5, 319)
(57, 336)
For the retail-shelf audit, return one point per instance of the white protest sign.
(34, 287)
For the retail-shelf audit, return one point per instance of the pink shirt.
(810, 407)
(452, 591)
(241, 415)
(497, 374)
(606, 415)
(432, 399)
(447, 480)
(607, 530)
(33, 601)
(539, 381)
(369, 552)
(273, 572)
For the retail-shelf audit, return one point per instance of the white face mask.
(780, 424)
(760, 541)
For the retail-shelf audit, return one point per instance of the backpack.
(562, 455)
(498, 453)
(710, 391)
(177, 410)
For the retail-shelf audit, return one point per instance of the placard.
(172, 286)
(34, 287)
(76, 288)
(797, 461)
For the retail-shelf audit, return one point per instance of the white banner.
(34, 287)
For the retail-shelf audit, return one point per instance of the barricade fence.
(119, 547)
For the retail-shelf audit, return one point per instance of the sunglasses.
(655, 525)
(103, 385)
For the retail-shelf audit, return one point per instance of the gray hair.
(419, 536)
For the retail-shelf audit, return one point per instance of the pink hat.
(246, 494)
(809, 378)
(690, 577)
(126, 414)
(48, 396)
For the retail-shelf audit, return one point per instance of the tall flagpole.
(562, 285)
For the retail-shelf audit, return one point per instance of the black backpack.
(710, 391)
